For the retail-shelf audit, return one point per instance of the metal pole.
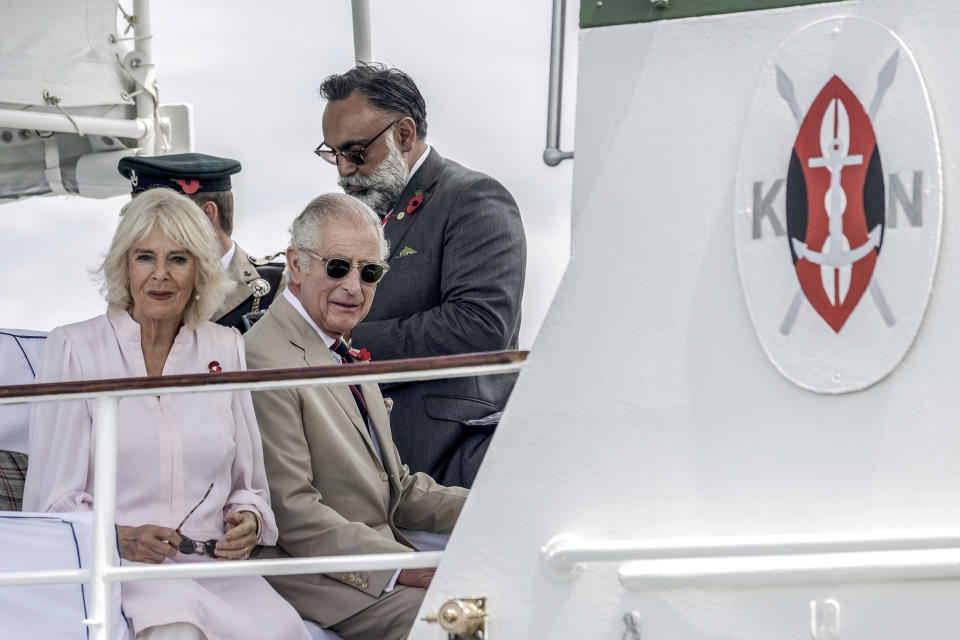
(146, 103)
(768, 571)
(280, 566)
(141, 9)
(277, 567)
(565, 554)
(552, 155)
(104, 512)
(90, 125)
(196, 383)
(362, 46)
(56, 576)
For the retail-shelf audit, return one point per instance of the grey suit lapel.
(316, 354)
(424, 179)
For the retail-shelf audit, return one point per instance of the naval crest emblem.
(838, 205)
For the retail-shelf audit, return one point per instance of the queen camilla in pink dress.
(162, 278)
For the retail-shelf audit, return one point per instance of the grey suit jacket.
(457, 266)
(331, 493)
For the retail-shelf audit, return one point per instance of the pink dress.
(170, 448)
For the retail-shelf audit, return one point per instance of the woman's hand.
(241, 536)
(147, 543)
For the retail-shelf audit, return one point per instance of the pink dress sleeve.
(248, 475)
(61, 438)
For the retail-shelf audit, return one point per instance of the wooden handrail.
(263, 375)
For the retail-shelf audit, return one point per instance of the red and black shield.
(835, 203)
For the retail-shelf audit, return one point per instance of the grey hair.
(182, 221)
(388, 89)
(307, 228)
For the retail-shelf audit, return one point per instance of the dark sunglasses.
(198, 547)
(353, 157)
(339, 268)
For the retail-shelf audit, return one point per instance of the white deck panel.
(648, 409)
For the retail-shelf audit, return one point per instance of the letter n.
(912, 207)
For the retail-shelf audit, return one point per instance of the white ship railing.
(723, 561)
(107, 393)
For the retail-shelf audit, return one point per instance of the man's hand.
(416, 577)
(147, 543)
(241, 536)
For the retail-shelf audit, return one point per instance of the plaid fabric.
(13, 469)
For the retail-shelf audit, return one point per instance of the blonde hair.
(184, 223)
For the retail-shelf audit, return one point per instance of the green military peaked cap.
(187, 173)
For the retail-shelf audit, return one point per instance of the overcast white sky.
(252, 69)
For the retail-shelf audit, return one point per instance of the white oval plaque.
(838, 205)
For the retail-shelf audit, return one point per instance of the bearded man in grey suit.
(457, 265)
(337, 483)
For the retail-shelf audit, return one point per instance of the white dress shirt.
(417, 165)
(226, 258)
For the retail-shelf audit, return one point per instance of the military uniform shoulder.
(263, 279)
(264, 261)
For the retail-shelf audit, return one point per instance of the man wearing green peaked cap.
(205, 179)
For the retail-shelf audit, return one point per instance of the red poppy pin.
(189, 187)
(214, 367)
(415, 201)
(360, 354)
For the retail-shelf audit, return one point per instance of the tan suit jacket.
(241, 272)
(330, 492)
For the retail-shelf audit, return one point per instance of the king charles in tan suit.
(337, 483)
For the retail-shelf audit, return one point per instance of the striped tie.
(341, 349)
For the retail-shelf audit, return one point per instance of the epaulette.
(265, 260)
